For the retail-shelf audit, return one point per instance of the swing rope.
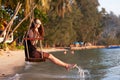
(28, 56)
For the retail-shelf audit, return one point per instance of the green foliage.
(20, 47)
(12, 46)
(90, 20)
(83, 23)
(3, 46)
(4, 14)
(111, 29)
(41, 15)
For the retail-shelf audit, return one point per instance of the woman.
(37, 32)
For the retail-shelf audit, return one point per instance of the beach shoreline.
(10, 60)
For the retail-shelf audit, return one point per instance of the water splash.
(82, 73)
(16, 77)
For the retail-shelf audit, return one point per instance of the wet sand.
(10, 60)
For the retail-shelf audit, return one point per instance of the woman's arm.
(31, 34)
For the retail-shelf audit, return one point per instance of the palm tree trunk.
(7, 29)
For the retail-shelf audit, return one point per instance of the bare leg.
(60, 63)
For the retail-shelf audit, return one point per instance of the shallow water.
(102, 64)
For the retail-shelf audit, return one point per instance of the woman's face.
(38, 23)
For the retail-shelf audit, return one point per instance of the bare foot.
(70, 66)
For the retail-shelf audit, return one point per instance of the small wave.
(15, 77)
(112, 77)
(39, 75)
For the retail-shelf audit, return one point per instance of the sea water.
(82, 73)
(99, 64)
(15, 77)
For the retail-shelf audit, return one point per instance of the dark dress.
(31, 51)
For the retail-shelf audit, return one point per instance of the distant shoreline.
(87, 47)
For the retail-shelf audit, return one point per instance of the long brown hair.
(41, 30)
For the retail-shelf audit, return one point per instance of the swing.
(34, 59)
(27, 48)
(27, 54)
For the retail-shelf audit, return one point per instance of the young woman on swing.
(37, 31)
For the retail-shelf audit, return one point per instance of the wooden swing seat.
(33, 38)
(34, 59)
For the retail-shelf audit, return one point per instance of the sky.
(110, 5)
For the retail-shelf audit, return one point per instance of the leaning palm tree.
(8, 27)
(64, 6)
(61, 6)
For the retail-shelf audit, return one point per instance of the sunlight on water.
(28, 65)
(16, 77)
(82, 73)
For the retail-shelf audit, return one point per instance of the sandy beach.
(11, 60)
